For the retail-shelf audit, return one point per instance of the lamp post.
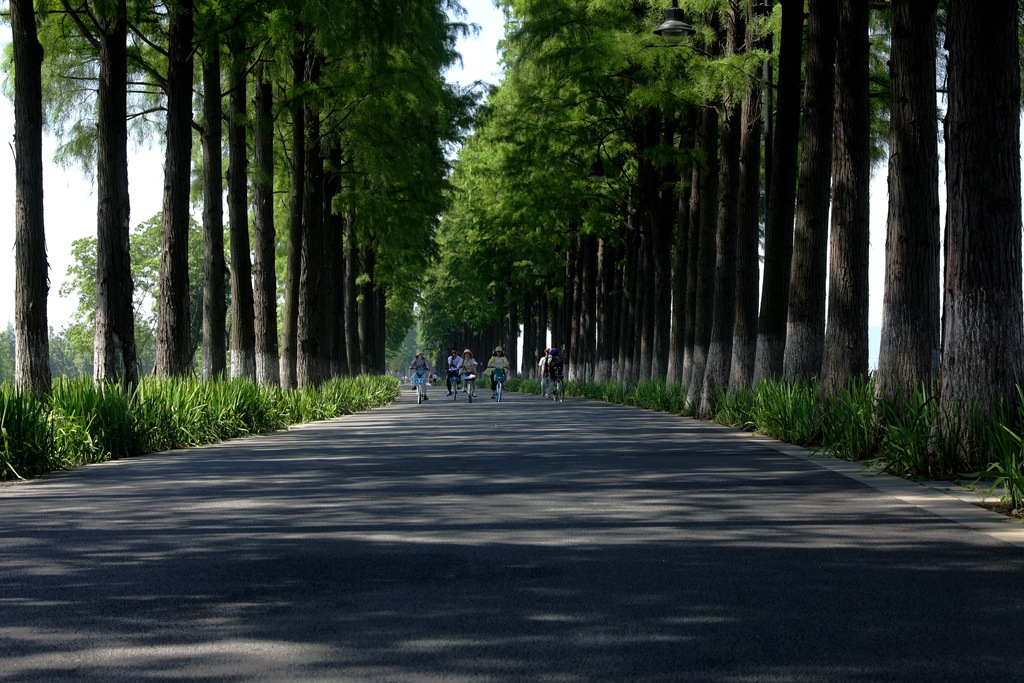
(674, 29)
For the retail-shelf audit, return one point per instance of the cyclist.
(467, 366)
(555, 367)
(542, 370)
(420, 366)
(453, 370)
(500, 363)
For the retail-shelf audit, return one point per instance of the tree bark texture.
(334, 268)
(778, 238)
(706, 254)
(744, 339)
(352, 343)
(114, 353)
(983, 321)
(32, 340)
(264, 235)
(716, 372)
(290, 320)
(908, 356)
(310, 329)
(174, 353)
(243, 338)
(215, 271)
(805, 328)
(846, 333)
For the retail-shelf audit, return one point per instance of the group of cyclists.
(463, 368)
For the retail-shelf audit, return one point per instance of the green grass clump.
(849, 428)
(83, 423)
(26, 442)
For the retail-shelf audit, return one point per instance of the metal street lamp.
(673, 30)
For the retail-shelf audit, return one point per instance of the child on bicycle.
(420, 367)
(498, 366)
(468, 366)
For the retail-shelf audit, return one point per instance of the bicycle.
(469, 386)
(453, 375)
(557, 390)
(499, 383)
(419, 381)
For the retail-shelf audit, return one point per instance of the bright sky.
(70, 203)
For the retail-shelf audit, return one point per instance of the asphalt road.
(521, 541)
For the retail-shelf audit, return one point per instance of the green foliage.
(848, 425)
(738, 408)
(26, 443)
(787, 411)
(83, 423)
(7, 358)
(909, 438)
(145, 242)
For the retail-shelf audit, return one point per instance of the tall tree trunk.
(114, 354)
(334, 267)
(367, 309)
(215, 270)
(667, 216)
(627, 322)
(744, 339)
(290, 321)
(698, 178)
(805, 329)
(846, 334)
(571, 301)
(706, 255)
(310, 330)
(983, 320)
(353, 347)
(909, 353)
(677, 336)
(264, 234)
(32, 362)
(716, 372)
(607, 304)
(243, 336)
(778, 238)
(588, 295)
(173, 343)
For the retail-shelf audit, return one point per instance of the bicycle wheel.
(419, 394)
(497, 392)
(470, 388)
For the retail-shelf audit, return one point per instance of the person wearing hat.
(468, 366)
(497, 362)
(420, 366)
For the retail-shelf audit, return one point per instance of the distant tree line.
(618, 194)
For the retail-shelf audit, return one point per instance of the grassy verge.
(81, 423)
(909, 437)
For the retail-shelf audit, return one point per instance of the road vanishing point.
(520, 541)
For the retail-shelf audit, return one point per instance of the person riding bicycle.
(497, 365)
(467, 366)
(420, 366)
(453, 370)
(555, 366)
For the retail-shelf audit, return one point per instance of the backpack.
(554, 367)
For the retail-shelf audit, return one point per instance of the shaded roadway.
(521, 541)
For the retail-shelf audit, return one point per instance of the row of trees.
(328, 124)
(618, 192)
